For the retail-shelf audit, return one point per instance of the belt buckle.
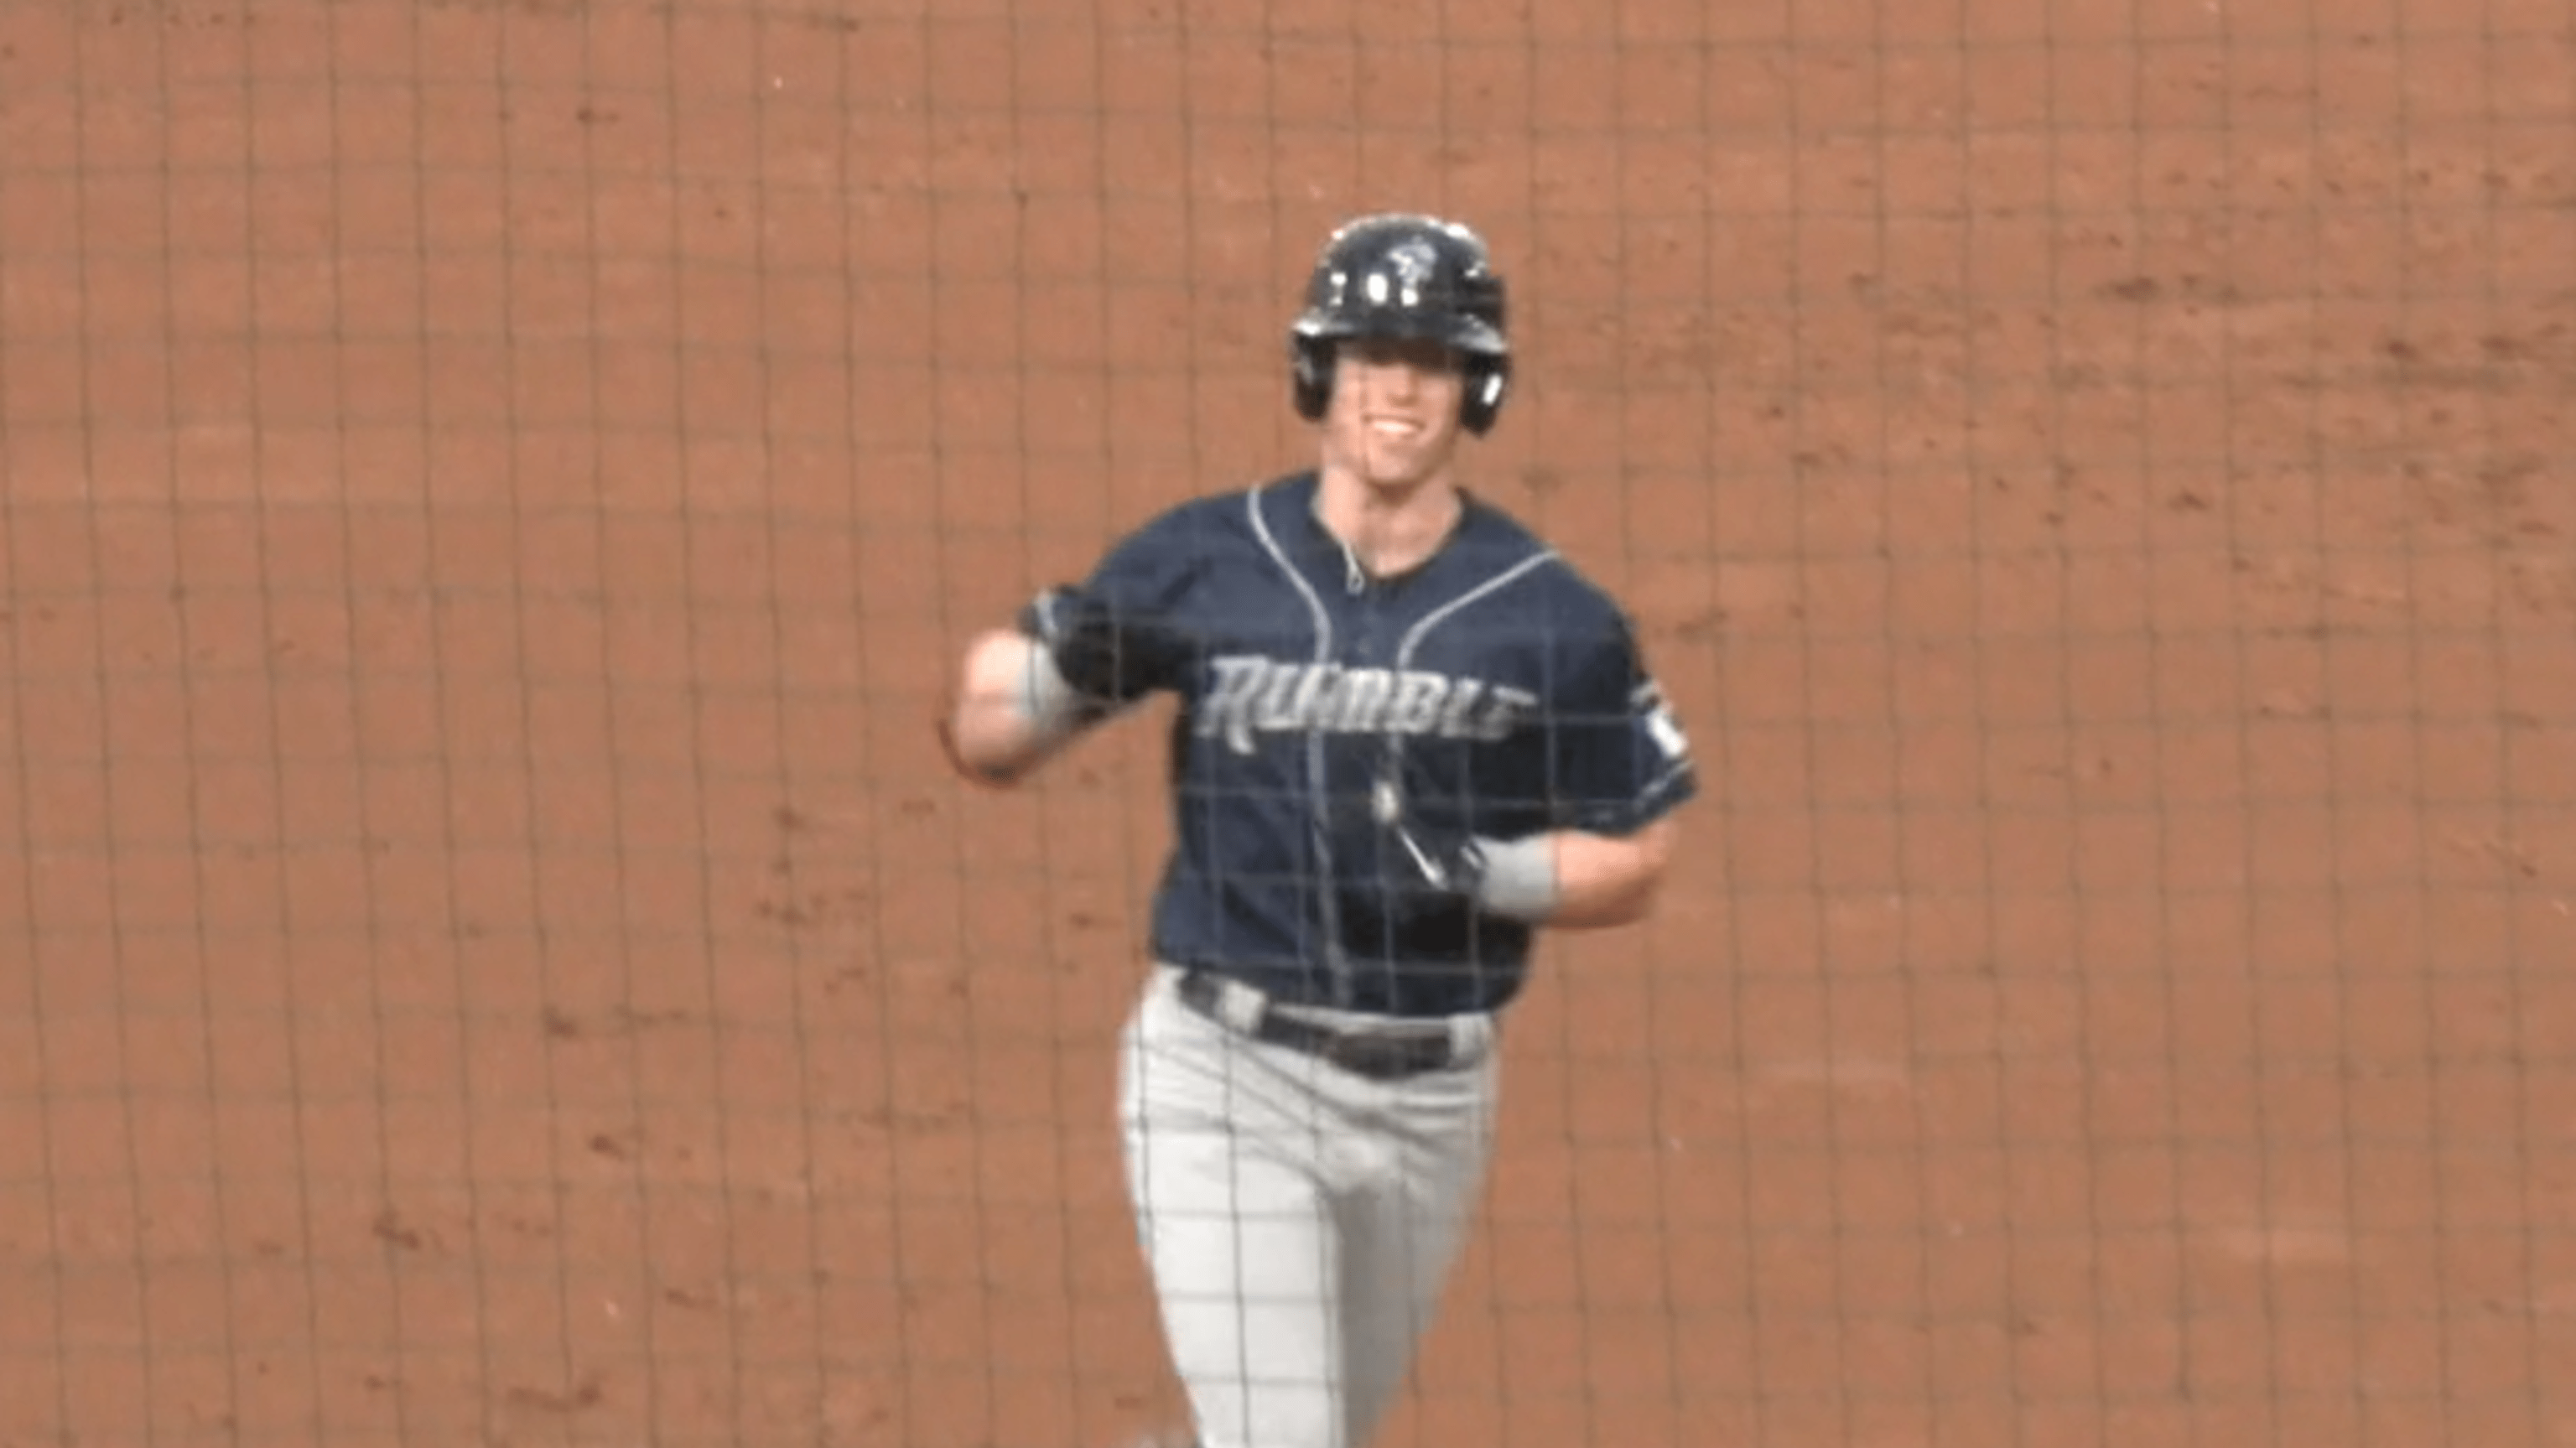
(1386, 1057)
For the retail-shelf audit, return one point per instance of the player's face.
(1394, 419)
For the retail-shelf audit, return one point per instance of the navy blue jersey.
(1497, 689)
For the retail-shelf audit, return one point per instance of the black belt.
(1380, 1053)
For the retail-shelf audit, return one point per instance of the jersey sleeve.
(1618, 755)
(1142, 585)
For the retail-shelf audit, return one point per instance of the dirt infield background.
(488, 955)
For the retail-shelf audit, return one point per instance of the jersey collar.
(1299, 495)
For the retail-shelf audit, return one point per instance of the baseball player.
(1409, 735)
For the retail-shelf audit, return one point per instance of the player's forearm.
(1602, 881)
(1012, 710)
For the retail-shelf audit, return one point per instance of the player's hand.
(1515, 878)
(1445, 859)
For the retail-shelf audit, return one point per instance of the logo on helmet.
(1413, 263)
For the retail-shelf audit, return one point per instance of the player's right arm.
(1013, 709)
(1077, 654)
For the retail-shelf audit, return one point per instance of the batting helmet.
(1406, 276)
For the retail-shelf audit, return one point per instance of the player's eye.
(1421, 353)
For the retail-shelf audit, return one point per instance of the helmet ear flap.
(1488, 380)
(1310, 364)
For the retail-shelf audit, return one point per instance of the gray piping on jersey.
(1656, 786)
(1305, 590)
(1320, 820)
(1413, 636)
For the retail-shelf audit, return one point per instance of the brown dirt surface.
(489, 954)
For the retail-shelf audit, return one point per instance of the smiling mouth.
(1395, 427)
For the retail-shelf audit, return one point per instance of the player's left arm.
(1603, 880)
(1622, 766)
(1618, 766)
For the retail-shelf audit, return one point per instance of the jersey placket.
(1374, 622)
(1319, 821)
(1365, 599)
